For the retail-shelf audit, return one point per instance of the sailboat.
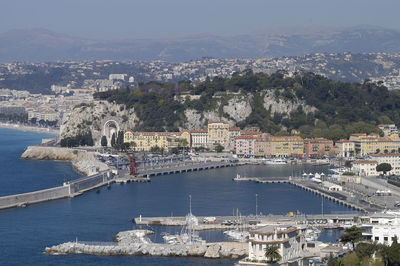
(187, 235)
(238, 234)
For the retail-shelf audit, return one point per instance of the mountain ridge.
(46, 45)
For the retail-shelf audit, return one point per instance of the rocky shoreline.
(83, 161)
(126, 246)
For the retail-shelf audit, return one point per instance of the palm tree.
(272, 252)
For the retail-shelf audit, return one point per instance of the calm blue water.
(99, 216)
(18, 175)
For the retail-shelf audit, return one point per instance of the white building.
(290, 240)
(113, 77)
(388, 129)
(365, 168)
(368, 168)
(331, 187)
(199, 138)
(391, 158)
(345, 148)
(382, 227)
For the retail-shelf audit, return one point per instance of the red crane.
(132, 164)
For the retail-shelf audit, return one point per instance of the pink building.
(318, 147)
(245, 145)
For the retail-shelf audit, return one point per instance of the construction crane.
(132, 164)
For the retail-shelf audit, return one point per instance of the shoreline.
(32, 129)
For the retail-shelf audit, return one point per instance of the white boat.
(275, 162)
(237, 235)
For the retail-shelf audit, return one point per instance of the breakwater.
(24, 199)
(69, 189)
(83, 161)
(128, 244)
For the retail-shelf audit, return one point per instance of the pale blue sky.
(132, 19)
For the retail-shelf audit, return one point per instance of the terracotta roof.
(199, 131)
(344, 141)
(365, 162)
(234, 129)
(386, 154)
(223, 122)
(318, 140)
(251, 133)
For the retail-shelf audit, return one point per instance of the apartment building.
(218, 133)
(318, 147)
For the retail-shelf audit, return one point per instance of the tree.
(384, 167)
(366, 249)
(377, 151)
(272, 252)
(351, 259)
(347, 164)
(352, 235)
(219, 148)
(104, 141)
(120, 139)
(113, 140)
(155, 149)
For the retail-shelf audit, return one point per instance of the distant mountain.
(44, 45)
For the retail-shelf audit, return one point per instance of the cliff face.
(232, 108)
(94, 116)
(285, 107)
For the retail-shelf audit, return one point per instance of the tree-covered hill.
(311, 104)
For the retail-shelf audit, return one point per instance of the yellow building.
(285, 146)
(218, 133)
(369, 144)
(144, 141)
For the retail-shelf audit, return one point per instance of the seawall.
(217, 250)
(69, 189)
(20, 200)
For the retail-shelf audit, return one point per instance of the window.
(377, 238)
(385, 238)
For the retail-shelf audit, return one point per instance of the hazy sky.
(107, 19)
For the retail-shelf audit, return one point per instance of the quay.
(342, 198)
(263, 180)
(184, 167)
(327, 221)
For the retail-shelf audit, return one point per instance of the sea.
(99, 215)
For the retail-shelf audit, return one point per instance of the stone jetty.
(127, 244)
(83, 161)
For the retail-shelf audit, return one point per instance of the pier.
(183, 168)
(327, 221)
(341, 197)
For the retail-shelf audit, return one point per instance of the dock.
(342, 198)
(327, 221)
(184, 168)
(270, 180)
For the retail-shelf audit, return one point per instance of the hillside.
(311, 104)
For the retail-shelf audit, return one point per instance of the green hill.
(312, 104)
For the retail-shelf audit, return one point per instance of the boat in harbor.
(275, 162)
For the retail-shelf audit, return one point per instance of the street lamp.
(256, 205)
